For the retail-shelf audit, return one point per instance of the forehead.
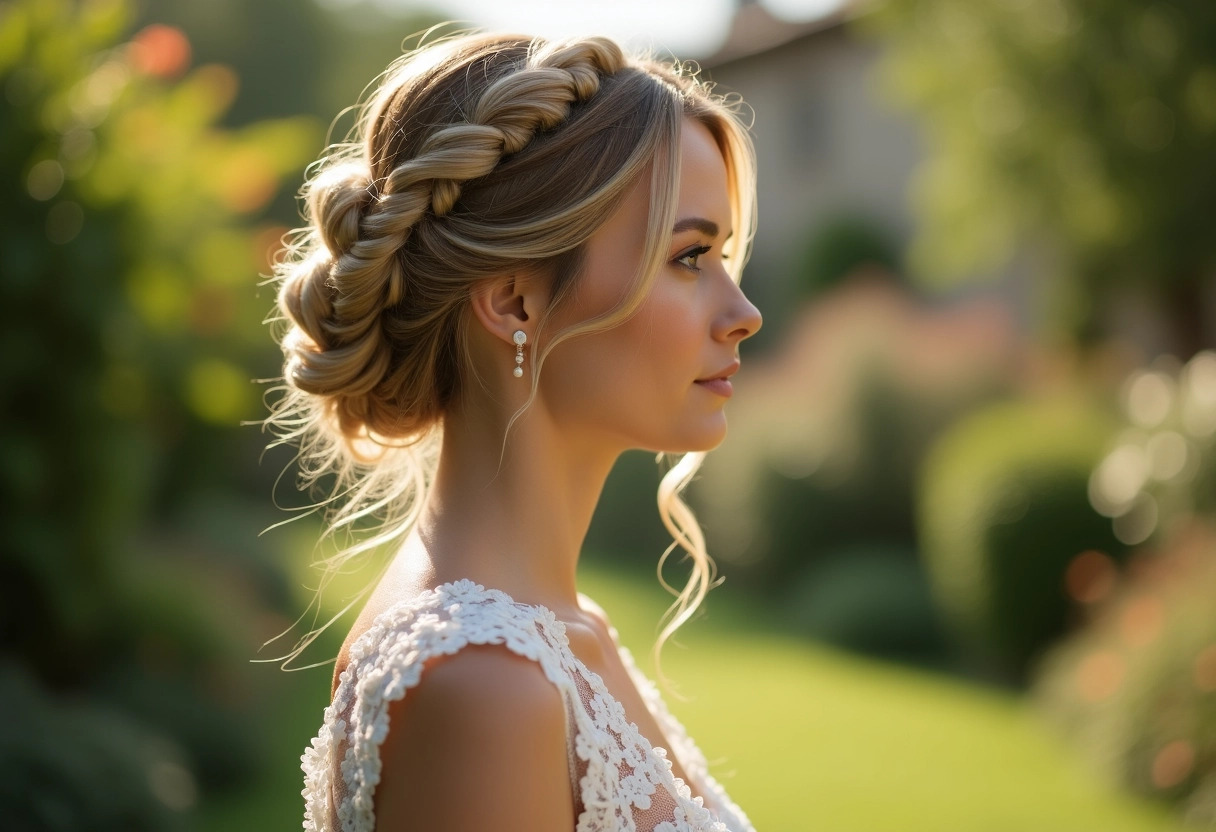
(703, 179)
(702, 193)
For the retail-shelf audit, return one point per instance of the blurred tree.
(842, 246)
(293, 56)
(130, 242)
(1161, 471)
(1084, 128)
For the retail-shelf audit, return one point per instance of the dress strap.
(343, 765)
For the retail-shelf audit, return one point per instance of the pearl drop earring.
(520, 339)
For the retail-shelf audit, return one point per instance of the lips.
(723, 374)
(720, 386)
(719, 382)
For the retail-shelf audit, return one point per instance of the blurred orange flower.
(160, 50)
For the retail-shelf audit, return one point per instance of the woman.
(529, 265)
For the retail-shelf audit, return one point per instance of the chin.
(706, 439)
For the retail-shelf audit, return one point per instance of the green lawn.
(803, 737)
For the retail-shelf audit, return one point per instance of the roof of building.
(756, 30)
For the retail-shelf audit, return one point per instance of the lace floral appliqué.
(623, 783)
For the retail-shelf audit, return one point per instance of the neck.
(510, 518)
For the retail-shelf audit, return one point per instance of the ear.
(505, 304)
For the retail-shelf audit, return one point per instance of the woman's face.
(648, 383)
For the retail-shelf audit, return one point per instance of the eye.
(689, 258)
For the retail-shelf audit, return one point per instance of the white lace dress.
(623, 784)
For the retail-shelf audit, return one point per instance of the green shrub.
(68, 765)
(626, 524)
(1136, 689)
(868, 599)
(1003, 510)
(868, 496)
(843, 245)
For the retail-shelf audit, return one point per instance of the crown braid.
(337, 296)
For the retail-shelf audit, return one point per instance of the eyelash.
(693, 253)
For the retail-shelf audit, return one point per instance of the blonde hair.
(476, 155)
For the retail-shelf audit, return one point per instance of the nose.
(739, 319)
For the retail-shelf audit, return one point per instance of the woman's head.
(502, 182)
(482, 157)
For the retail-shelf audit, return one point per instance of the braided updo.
(376, 306)
(476, 156)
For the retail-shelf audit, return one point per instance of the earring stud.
(520, 338)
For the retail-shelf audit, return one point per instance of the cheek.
(592, 373)
(635, 382)
(657, 348)
(672, 328)
(645, 365)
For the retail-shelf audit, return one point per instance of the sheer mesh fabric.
(619, 781)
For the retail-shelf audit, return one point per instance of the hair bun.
(338, 199)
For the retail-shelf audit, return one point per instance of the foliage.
(843, 245)
(626, 521)
(66, 766)
(1162, 469)
(1003, 512)
(1085, 127)
(1136, 689)
(871, 497)
(294, 57)
(132, 236)
(868, 599)
(829, 430)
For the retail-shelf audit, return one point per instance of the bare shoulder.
(597, 614)
(589, 606)
(479, 743)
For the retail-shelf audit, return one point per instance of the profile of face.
(654, 382)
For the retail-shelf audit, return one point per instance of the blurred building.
(828, 144)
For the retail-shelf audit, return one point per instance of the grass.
(802, 737)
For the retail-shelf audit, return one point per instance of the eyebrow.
(706, 227)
